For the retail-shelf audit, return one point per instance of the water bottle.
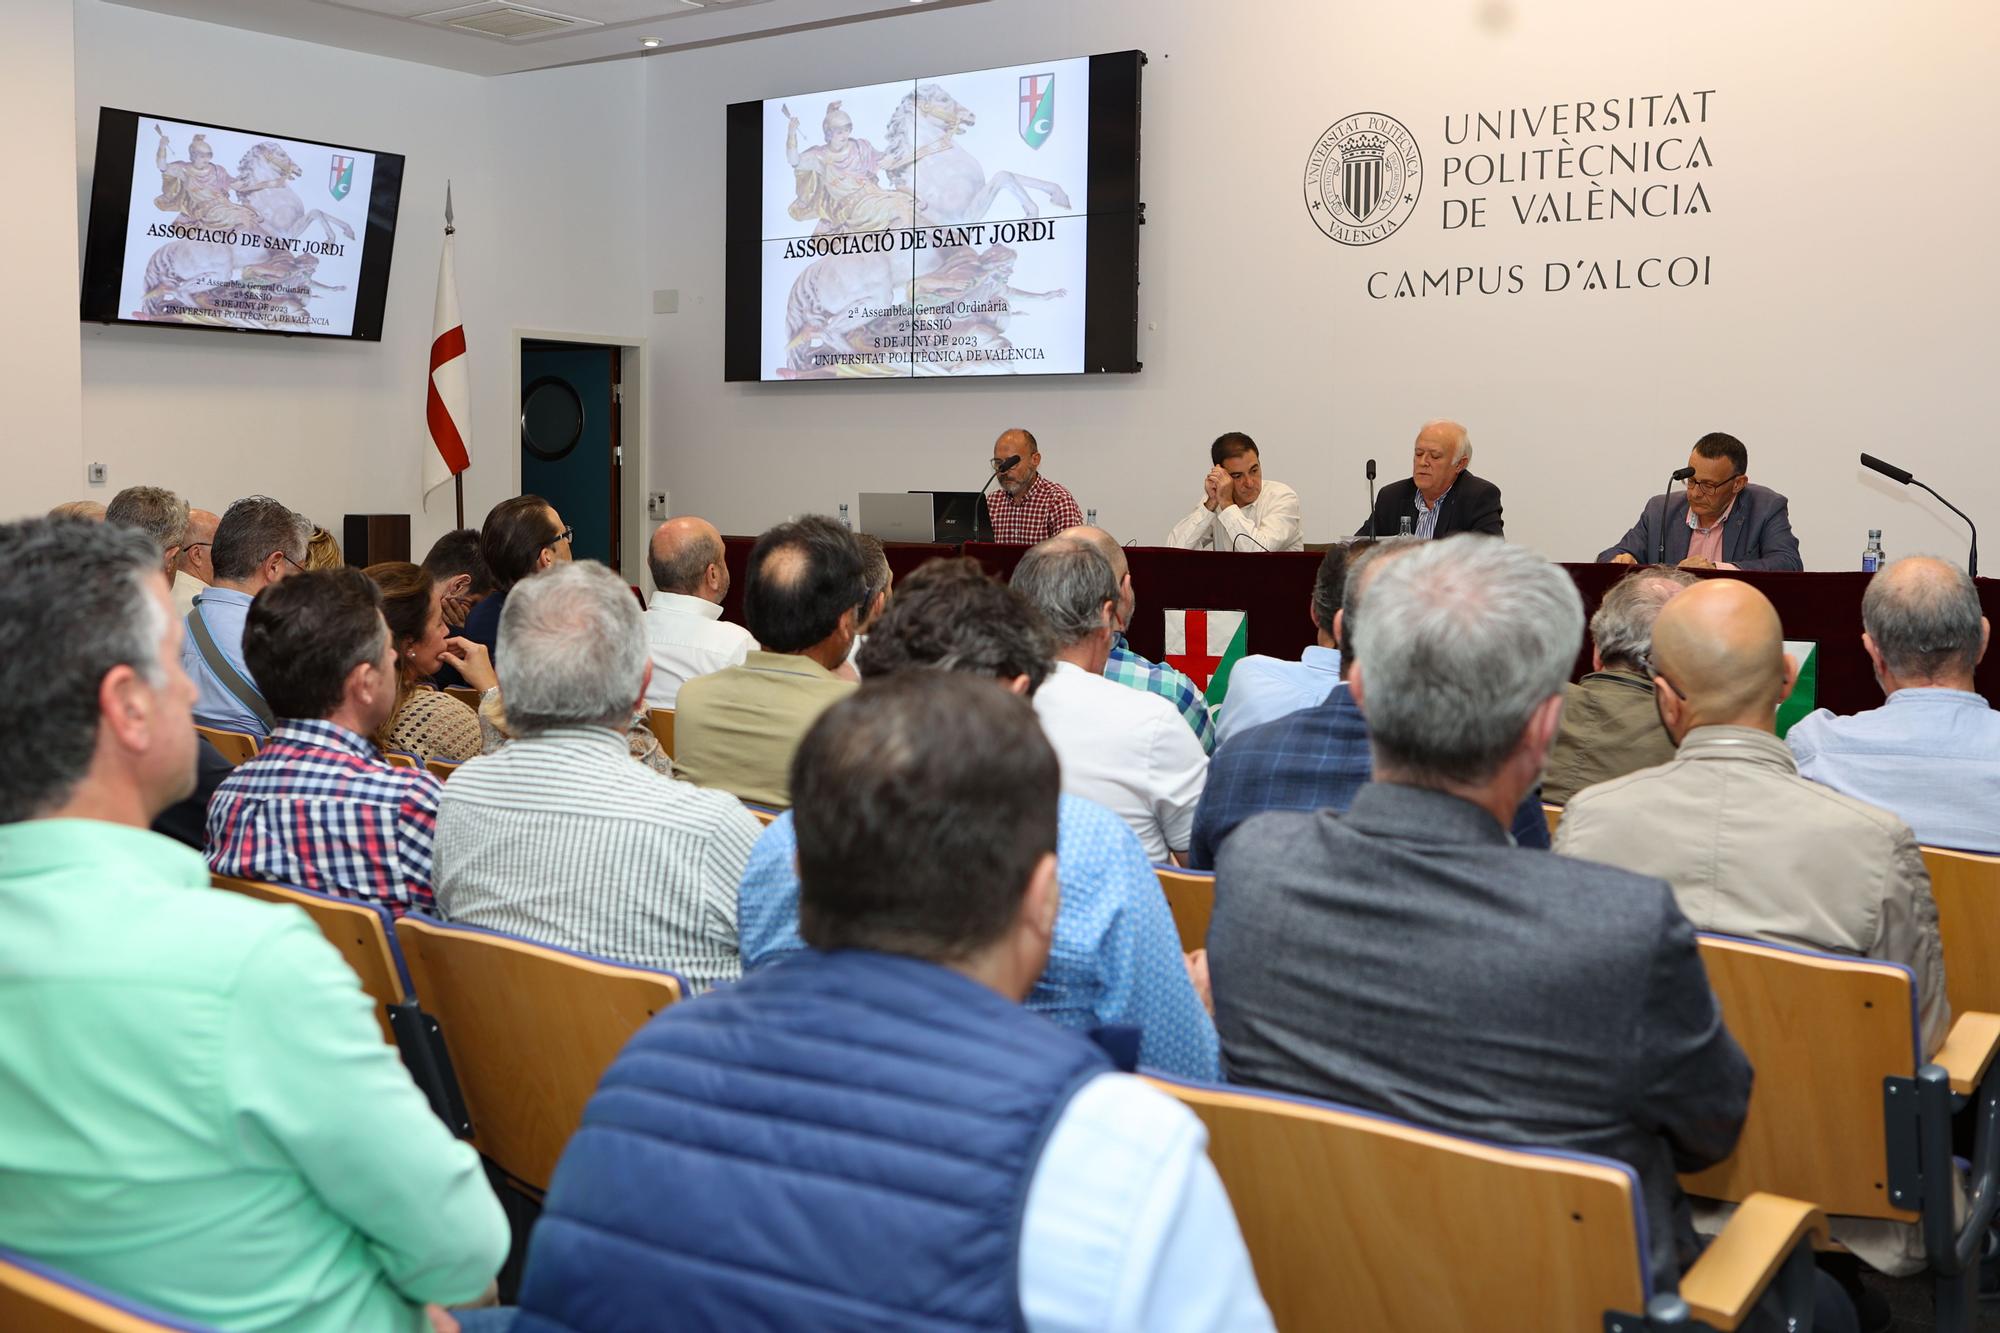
(843, 519)
(1406, 526)
(1871, 554)
(1090, 518)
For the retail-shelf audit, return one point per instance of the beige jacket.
(1753, 849)
(737, 728)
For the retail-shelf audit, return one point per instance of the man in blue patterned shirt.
(1127, 667)
(1116, 958)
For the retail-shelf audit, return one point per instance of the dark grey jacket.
(1756, 535)
(1407, 958)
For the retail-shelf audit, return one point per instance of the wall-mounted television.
(951, 225)
(194, 225)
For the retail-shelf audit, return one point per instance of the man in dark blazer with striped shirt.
(1755, 521)
(1440, 497)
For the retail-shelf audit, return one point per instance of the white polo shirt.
(1126, 749)
(687, 637)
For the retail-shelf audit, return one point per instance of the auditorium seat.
(764, 813)
(235, 746)
(466, 695)
(441, 769)
(661, 720)
(1554, 814)
(360, 931)
(1845, 1112)
(398, 759)
(1360, 1221)
(529, 1029)
(1967, 888)
(1191, 898)
(35, 1298)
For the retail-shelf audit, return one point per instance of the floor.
(1910, 1297)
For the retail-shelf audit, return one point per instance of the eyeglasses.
(293, 563)
(194, 546)
(566, 534)
(1710, 487)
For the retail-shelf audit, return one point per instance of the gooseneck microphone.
(1244, 536)
(1903, 477)
(1681, 474)
(1371, 499)
(982, 517)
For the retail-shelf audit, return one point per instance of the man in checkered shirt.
(1028, 508)
(318, 806)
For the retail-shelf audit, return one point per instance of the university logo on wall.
(1363, 178)
(340, 176)
(1038, 108)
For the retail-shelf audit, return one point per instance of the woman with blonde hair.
(323, 551)
(427, 723)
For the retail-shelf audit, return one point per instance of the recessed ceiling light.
(649, 42)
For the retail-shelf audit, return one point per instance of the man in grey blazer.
(1407, 957)
(1720, 521)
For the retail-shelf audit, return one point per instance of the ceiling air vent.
(508, 22)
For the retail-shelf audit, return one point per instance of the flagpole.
(457, 478)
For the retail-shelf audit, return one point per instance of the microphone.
(1371, 499)
(1253, 541)
(1005, 465)
(982, 517)
(1666, 501)
(1904, 477)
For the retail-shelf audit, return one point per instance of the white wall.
(40, 380)
(1850, 241)
(544, 171)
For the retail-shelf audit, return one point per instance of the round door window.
(551, 418)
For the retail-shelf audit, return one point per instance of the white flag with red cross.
(1205, 645)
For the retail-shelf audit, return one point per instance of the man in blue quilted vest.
(876, 1135)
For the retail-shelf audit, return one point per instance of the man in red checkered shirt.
(1028, 508)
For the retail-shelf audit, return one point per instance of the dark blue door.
(570, 439)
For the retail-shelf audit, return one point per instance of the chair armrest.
(1968, 1049)
(1732, 1273)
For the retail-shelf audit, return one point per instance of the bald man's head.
(193, 559)
(1721, 651)
(1923, 625)
(1108, 547)
(685, 557)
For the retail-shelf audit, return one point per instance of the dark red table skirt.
(1276, 589)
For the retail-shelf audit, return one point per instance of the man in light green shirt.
(199, 1111)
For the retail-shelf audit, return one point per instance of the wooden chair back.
(397, 759)
(466, 695)
(37, 1299)
(764, 813)
(661, 720)
(1359, 1221)
(530, 1030)
(441, 769)
(360, 931)
(1554, 815)
(1967, 888)
(1822, 1031)
(1191, 898)
(235, 746)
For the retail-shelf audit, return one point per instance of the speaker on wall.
(369, 539)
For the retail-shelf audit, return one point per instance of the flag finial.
(448, 228)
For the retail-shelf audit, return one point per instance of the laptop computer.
(898, 516)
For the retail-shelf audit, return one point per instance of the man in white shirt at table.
(1129, 750)
(1239, 510)
(685, 632)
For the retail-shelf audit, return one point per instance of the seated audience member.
(880, 581)
(1317, 758)
(1721, 521)
(1441, 497)
(258, 542)
(685, 632)
(523, 536)
(1263, 689)
(160, 514)
(1116, 957)
(1611, 722)
(1752, 848)
(736, 728)
(1125, 749)
(318, 806)
(206, 1119)
(1128, 667)
(1025, 507)
(950, 1159)
(456, 566)
(323, 551)
(1406, 957)
(1931, 753)
(186, 820)
(560, 837)
(427, 722)
(1239, 510)
(194, 571)
(88, 510)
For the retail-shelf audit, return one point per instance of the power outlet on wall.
(656, 506)
(98, 474)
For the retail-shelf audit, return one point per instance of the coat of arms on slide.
(340, 176)
(1362, 178)
(1038, 108)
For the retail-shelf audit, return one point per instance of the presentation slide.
(934, 226)
(244, 231)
